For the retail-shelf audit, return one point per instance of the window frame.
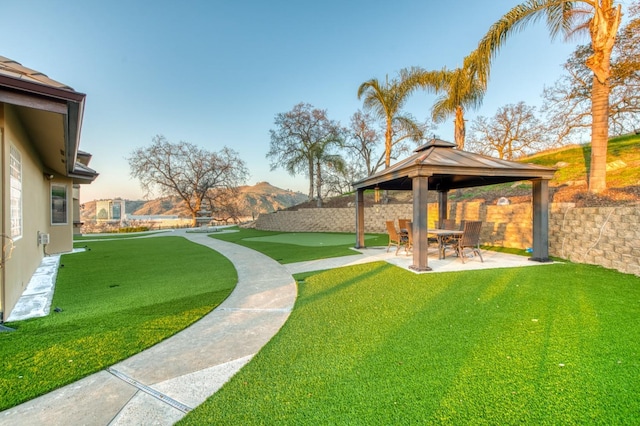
(15, 193)
(59, 187)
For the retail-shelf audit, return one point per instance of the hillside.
(260, 198)
(266, 198)
(569, 184)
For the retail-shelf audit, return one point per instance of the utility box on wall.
(43, 238)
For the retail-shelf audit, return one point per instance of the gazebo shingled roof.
(438, 166)
(449, 168)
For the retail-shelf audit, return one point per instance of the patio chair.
(402, 224)
(450, 224)
(409, 244)
(449, 242)
(395, 238)
(470, 239)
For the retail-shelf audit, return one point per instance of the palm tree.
(386, 101)
(458, 89)
(601, 18)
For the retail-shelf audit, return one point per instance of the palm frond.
(442, 109)
(407, 125)
(556, 12)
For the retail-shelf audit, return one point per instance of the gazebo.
(439, 166)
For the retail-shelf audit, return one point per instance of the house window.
(15, 184)
(58, 204)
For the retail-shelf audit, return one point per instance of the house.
(110, 211)
(42, 168)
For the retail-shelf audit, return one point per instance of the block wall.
(606, 236)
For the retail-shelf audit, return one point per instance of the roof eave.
(41, 89)
(59, 100)
(73, 131)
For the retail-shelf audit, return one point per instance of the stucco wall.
(26, 254)
(606, 236)
(25, 257)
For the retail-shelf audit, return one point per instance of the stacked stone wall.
(606, 236)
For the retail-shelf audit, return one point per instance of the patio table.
(442, 235)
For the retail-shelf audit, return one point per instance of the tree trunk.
(603, 29)
(310, 179)
(459, 128)
(387, 145)
(599, 136)
(319, 185)
(194, 212)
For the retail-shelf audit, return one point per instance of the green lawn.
(374, 344)
(290, 247)
(117, 299)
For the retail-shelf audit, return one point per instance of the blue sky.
(215, 73)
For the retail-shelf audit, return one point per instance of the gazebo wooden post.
(540, 199)
(443, 209)
(360, 218)
(420, 244)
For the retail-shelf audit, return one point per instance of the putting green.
(310, 239)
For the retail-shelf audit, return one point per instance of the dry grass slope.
(569, 184)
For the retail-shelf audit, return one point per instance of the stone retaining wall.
(606, 236)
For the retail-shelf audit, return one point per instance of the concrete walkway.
(160, 385)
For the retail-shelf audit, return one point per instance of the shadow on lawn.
(378, 268)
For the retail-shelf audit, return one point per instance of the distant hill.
(266, 198)
(260, 198)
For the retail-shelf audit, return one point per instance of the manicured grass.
(374, 344)
(287, 247)
(117, 299)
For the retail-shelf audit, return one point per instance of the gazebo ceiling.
(448, 168)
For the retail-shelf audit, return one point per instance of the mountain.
(260, 198)
(266, 198)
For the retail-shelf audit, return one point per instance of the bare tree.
(328, 160)
(338, 180)
(303, 138)
(361, 144)
(186, 171)
(512, 132)
(225, 204)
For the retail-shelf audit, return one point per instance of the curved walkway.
(161, 384)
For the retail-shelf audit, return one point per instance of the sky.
(215, 73)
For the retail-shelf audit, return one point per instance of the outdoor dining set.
(451, 236)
